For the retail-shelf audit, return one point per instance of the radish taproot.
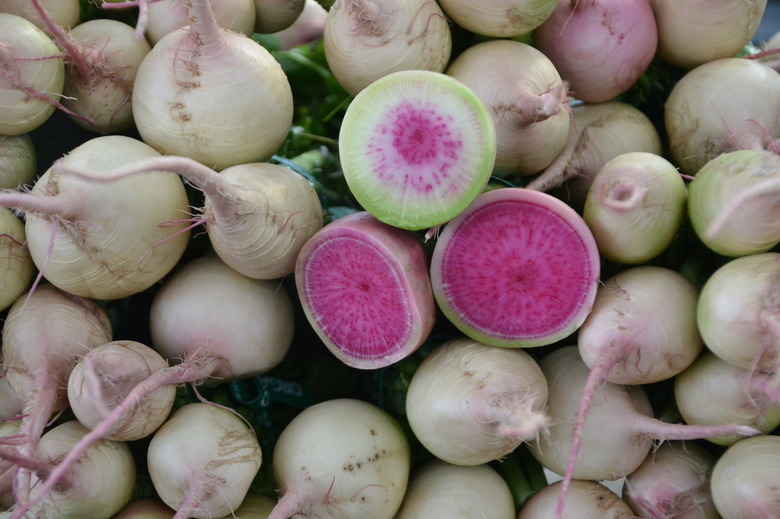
(203, 460)
(635, 207)
(16, 265)
(733, 202)
(702, 121)
(526, 98)
(365, 40)
(186, 87)
(499, 18)
(605, 453)
(600, 47)
(416, 147)
(168, 15)
(93, 239)
(440, 489)
(364, 288)
(44, 335)
(673, 482)
(469, 403)
(517, 268)
(364, 471)
(32, 75)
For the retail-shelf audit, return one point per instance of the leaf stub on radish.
(364, 287)
(416, 148)
(518, 268)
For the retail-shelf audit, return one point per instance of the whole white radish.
(440, 490)
(341, 458)
(365, 40)
(98, 486)
(635, 207)
(203, 460)
(32, 75)
(738, 312)
(746, 477)
(249, 335)
(168, 15)
(104, 240)
(712, 391)
(469, 403)
(695, 32)
(673, 482)
(499, 18)
(184, 96)
(526, 98)
(44, 335)
(702, 121)
(589, 500)
(18, 161)
(16, 265)
(600, 47)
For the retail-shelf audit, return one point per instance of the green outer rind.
(423, 217)
(541, 198)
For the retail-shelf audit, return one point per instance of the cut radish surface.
(416, 148)
(518, 268)
(365, 289)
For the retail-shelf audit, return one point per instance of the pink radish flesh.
(364, 286)
(516, 269)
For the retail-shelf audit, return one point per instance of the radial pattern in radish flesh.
(416, 148)
(365, 289)
(518, 268)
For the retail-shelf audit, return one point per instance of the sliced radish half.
(518, 268)
(416, 147)
(365, 289)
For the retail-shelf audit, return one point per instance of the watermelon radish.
(416, 147)
(365, 289)
(518, 268)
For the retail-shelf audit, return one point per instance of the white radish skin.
(365, 40)
(589, 500)
(184, 96)
(168, 15)
(600, 47)
(103, 378)
(635, 207)
(361, 471)
(499, 18)
(276, 15)
(11, 406)
(146, 508)
(254, 506)
(746, 478)
(600, 132)
(18, 161)
(64, 13)
(606, 453)
(249, 335)
(672, 483)
(307, 28)
(695, 32)
(16, 265)
(9, 434)
(44, 336)
(203, 460)
(703, 122)
(104, 240)
(32, 75)
(441, 490)
(526, 98)
(97, 487)
(469, 403)
(738, 312)
(733, 202)
(711, 391)
(365, 289)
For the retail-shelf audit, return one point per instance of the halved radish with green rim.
(518, 268)
(416, 147)
(365, 289)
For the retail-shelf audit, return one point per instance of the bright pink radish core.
(365, 289)
(418, 136)
(352, 289)
(516, 269)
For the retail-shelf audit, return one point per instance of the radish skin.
(499, 18)
(18, 161)
(16, 265)
(276, 15)
(589, 500)
(64, 13)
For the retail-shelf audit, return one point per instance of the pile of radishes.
(392, 259)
